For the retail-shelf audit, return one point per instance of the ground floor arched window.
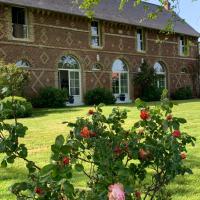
(69, 77)
(120, 79)
(160, 71)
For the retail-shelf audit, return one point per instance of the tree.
(145, 80)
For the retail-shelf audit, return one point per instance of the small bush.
(183, 93)
(50, 97)
(22, 107)
(151, 94)
(99, 95)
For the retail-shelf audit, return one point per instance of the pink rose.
(116, 192)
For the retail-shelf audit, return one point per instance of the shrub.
(119, 163)
(145, 79)
(50, 97)
(12, 80)
(99, 95)
(20, 104)
(183, 93)
(151, 94)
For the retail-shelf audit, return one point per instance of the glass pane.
(159, 69)
(68, 62)
(76, 75)
(124, 82)
(76, 83)
(94, 28)
(119, 65)
(115, 83)
(23, 63)
(95, 41)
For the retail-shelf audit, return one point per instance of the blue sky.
(188, 10)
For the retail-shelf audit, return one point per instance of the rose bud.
(38, 190)
(176, 133)
(183, 155)
(138, 195)
(169, 117)
(90, 112)
(140, 130)
(66, 161)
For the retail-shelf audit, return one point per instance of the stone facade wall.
(53, 35)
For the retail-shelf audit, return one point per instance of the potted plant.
(122, 97)
(71, 99)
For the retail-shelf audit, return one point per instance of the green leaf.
(68, 188)
(79, 167)
(59, 141)
(11, 159)
(182, 120)
(46, 169)
(4, 164)
(65, 149)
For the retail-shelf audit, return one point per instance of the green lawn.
(46, 124)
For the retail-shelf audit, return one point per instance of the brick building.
(63, 48)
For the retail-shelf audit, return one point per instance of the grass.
(46, 124)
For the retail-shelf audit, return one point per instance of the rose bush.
(135, 163)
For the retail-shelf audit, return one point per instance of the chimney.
(166, 4)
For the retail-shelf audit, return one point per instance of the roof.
(108, 10)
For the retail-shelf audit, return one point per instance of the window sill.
(95, 47)
(182, 55)
(21, 39)
(140, 51)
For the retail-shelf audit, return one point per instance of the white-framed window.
(69, 75)
(140, 40)
(95, 34)
(119, 77)
(19, 23)
(23, 64)
(183, 46)
(160, 71)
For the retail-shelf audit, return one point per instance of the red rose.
(144, 115)
(90, 112)
(38, 190)
(66, 161)
(176, 133)
(169, 117)
(138, 195)
(117, 150)
(85, 132)
(183, 155)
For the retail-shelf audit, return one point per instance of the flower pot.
(122, 97)
(71, 99)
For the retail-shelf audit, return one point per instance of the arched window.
(68, 62)
(119, 78)
(184, 70)
(160, 75)
(69, 76)
(23, 64)
(96, 67)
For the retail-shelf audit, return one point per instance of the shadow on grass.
(39, 112)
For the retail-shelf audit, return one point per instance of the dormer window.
(19, 23)
(183, 46)
(95, 34)
(140, 40)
